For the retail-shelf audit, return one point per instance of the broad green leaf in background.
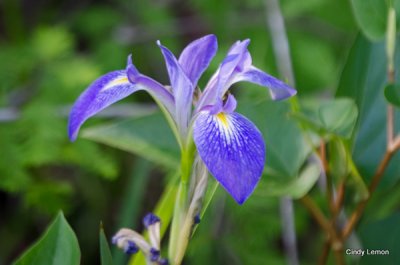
(338, 159)
(363, 79)
(149, 137)
(58, 246)
(371, 15)
(336, 117)
(392, 94)
(105, 253)
(296, 188)
(339, 116)
(381, 235)
(285, 145)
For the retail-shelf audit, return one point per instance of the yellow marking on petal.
(222, 117)
(119, 81)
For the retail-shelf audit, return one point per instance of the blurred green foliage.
(52, 50)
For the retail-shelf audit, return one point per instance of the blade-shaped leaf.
(57, 246)
(105, 253)
(147, 136)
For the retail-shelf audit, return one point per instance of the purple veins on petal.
(103, 92)
(233, 150)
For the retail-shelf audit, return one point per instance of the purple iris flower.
(229, 144)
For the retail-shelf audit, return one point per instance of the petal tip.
(72, 134)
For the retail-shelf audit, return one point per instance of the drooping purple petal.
(233, 150)
(278, 89)
(182, 88)
(103, 92)
(196, 57)
(154, 88)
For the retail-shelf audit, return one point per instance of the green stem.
(178, 239)
(178, 218)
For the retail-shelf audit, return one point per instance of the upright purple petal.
(278, 89)
(230, 104)
(196, 57)
(233, 150)
(212, 90)
(103, 92)
(237, 59)
(182, 89)
(240, 48)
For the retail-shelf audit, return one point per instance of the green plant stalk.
(180, 212)
(180, 231)
(391, 38)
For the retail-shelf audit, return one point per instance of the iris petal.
(233, 150)
(219, 79)
(237, 59)
(182, 89)
(196, 57)
(103, 92)
(154, 88)
(278, 89)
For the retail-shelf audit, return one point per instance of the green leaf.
(50, 43)
(339, 117)
(295, 189)
(392, 94)
(371, 15)
(363, 79)
(381, 235)
(58, 246)
(335, 117)
(105, 253)
(338, 160)
(286, 147)
(149, 137)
